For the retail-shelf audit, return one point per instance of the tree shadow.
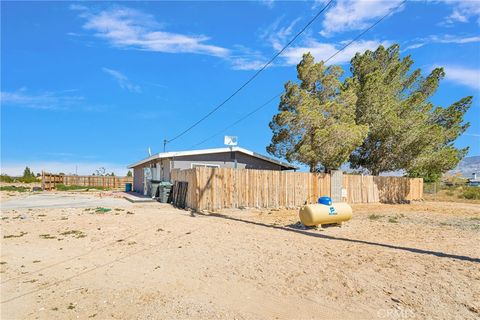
(207, 187)
(365, 242)
(392, 190)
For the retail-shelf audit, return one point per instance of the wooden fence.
(216, 188)
(49, 181)
(369, 189)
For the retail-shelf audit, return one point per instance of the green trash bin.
(164, 189)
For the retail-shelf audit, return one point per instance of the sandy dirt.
(151, 261)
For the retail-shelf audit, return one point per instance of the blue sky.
(93, 84)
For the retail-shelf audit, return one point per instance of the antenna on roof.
(230, 141)
(149, 152)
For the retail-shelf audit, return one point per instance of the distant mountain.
(468, 166)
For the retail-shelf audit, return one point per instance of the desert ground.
(66, 256)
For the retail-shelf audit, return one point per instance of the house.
(158, 166)
(474, 182)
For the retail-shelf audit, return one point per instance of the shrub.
(28, 176)
(28, 179)
(393, 220)
(62, 187)
(472, 193)
(6, 178)
(13, 188)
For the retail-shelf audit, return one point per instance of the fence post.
(336, 182)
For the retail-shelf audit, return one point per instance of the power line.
(238, 121)
(279, 94)
(252, 77)
(365, 31)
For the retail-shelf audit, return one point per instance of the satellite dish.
(230, 140)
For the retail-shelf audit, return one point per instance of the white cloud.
(122, 80)
(247, 63)
(322, 51)
(468, 77)
(246, 59)
(348, 15)
(83, 168)
(463, 10)
(268, 3)
(44, 100)
(128, 28)
(276, 35)
(444, 39)
(454, 39)
(415, 46)
(472, 134)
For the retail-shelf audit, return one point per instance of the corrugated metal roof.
(163, 155)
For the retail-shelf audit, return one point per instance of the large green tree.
(28, 176)
(315, 124)
(27, 173)
(440, 154)
(406, 131)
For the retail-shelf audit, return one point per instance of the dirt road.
(145, 261)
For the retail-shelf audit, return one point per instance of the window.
(204, 165)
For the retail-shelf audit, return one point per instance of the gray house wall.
(165, 167)
(138, 179)
(257, 163)
(223, 160)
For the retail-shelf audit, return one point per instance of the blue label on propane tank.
(332, 212)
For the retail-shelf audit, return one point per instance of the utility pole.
(234, 157)
(164, 144)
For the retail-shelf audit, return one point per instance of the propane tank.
(325, 213)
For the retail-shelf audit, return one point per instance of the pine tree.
(27, 173)
(406, 132)
(315, 124)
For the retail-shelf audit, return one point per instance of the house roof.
(174, 154)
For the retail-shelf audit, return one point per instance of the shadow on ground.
(328, 237)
